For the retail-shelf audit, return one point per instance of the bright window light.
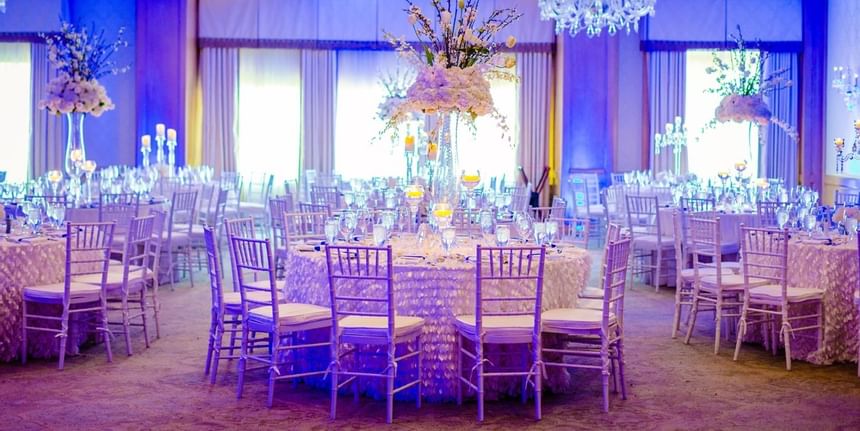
(716, 149)
(15, 110)
(270, 113)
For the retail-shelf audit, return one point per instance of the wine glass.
(551, 231)
(348, 222)
(781, 217)
(539, 232)
(809, 223)
(487, 222)
(348, 199)
(387, 219)
(442, 213)
(34, 219)
(331, 228)
(449, 235)
(503, 235)
(379, 234)
(524, 226)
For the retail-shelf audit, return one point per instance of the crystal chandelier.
(593, 15)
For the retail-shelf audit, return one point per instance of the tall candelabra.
(159, 140)
(675, 137)
(839, 143)
(847, 84)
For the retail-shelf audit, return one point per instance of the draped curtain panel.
(319, 80)
(46, 136)
(779, 154)
(667, 72)
(536, 76)
(219, 80)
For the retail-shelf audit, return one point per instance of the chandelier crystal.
(595, 15)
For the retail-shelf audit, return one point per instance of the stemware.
(551, 231)
(449, 236)
(539, 232)
(348, 222)
(387, 219)
(379, 234)
(781, 217)
(34, 219)
(331, 228)
(524, 226)
(851, 227)
(809, 223)
(503, 235)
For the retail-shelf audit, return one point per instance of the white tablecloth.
(26, 264)
(834, 269)
(730, 224)
(439, 289)
(91, 215)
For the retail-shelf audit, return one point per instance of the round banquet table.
(438, 288)
(25, 263)
(834, 269)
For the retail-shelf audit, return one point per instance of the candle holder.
(145, 150)
(674, 138)
(171, 155)
(409, 156)
(847, 84)
(839, 143)
(159, 154)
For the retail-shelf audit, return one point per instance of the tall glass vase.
(76, 152)
(445, 181)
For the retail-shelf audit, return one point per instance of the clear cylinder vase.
(75, 150)
(445, 182)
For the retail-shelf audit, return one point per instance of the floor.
(671, 386)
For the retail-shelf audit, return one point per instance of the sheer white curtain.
(485, 148)
(536, 74)
(15, 110)
(779, 154)
(269, 112)
(359, 92)
(219, 75)
(667, 83)
(318, 77)
(46, 137)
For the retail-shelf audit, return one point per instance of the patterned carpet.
(671, 386)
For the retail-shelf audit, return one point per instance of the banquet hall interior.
(325, 214)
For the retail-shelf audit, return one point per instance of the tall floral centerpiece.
(454, 61)
(80, 56)
(743, 84)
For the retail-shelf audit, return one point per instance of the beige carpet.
(671, 386)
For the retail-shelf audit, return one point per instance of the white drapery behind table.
(219, 69)
(46, 132)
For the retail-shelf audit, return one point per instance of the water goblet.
(524, 226)
(379, 234)
(851, 227)
(331, 228)
(503, 235)
(348, 199)
(449, 235)
(539, 232)
(551, 231)
(387, 219)
(809, 223)
(781, 217)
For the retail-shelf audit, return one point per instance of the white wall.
(628, 150)
(712, 20)
(353, 20)
(843, 40)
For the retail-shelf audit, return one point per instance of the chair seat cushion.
(115, 276)
(375, 328)
(689, 274)
(591, 292)
(290, 315)
(498, 329)
(773, 293)
(736, 267)
(562, 320)
(234, 299)
(730, 281)
(590, 303)
(53, 293)
(649, 242)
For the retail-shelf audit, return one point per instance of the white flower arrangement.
(81, 56)
(456, 62)
(743, 85)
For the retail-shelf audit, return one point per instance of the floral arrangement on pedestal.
(458, 56)
(396, 84)
(80, 56)
(743, 84)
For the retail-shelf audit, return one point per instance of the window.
(486, 149)
(270, 112)
(358, 153)
(15, 86)
(713, 150)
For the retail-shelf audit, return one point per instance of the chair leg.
(786, 335)
(105, 329)
(676, 318)
(240, 368)
(24, 332)
(718, 322)
(210, 348)
(156, 306)
(335, 355)
(143, 316)
(418, 346)
(275, 362)
(742, 330)
(479, 357)
(538, 382)
(126, 325)
(604, 359)
(658, 270)
(460, 369)
(389, 392)
(694, 312)
(622, 382)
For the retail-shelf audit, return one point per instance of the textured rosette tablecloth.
(438, 289)
(832, 268)
(33, 262)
